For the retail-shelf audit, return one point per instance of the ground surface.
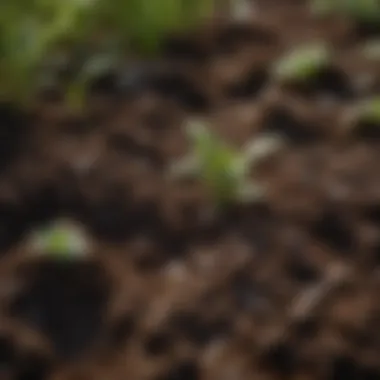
(288, 288)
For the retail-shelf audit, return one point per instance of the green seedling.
(145, 23)
(302, 64)
(29, 30)
(367, 11)
(223, 169)
(60, 240)
(369, 111)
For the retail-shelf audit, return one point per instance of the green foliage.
(29, 30)
(61, 240)
(302, 64)
(367, 11)
(144, 23)
(224, 170)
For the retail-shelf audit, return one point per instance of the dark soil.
(287, 288)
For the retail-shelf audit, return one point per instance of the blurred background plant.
(302, 63)
(369, 110)
(31, 31)
(143, 24)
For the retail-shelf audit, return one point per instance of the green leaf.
(145, 23)
(28, 32)
(215, 160)
(302, 63)
(61, 240)
(370, 110)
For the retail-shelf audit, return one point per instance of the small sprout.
(61, 240)
(224, 170)
(363, 120)
(367, 11)
(369, 111)
(303, 63)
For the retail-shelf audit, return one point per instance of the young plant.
(145, 23)
(369, 111)
(224, 170)
(61, 240)
(363, 120)
(302, 64)
(29, 30)
(367, 11)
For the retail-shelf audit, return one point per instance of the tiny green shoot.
(60, 240)
(369, 111)
(302, 64)
(224, 170)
